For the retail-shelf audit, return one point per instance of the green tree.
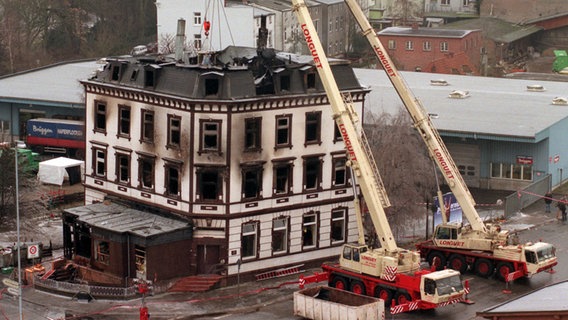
(7, 185)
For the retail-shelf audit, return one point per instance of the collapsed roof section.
(233, 73)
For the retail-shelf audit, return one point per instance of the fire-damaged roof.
(233, 73)
(121, 219)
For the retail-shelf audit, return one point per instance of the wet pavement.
(244, 299)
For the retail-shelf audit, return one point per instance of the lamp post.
(18, 235)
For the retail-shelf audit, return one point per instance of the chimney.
(180, 39)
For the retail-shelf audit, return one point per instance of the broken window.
(140, 260)
(312, 173)
(123, 168)
(173, 181)
(115, 73)
(252, 133)
(339, 172)
(174, 131)
(280, 235)
(102, 252)
(149, 77)
(99, 162)
(285, 82)
(283, 131)
(309, 230)
(252, 182)
(197, 41)
(338, 225)
(147, 126)
(100, 116)
(211, 86)
(146, 171)
(210, 136)
(313, 128)
(282, 181)
(337, 134)
(249, 240)
(311, 80)
(124, 121)
(209, 184)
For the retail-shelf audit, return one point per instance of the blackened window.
(313, 128)
(100, 116)
(146, 172)
(311, 80)
(124, 121)
(280, 235)
(282, 180)
(209, 184)
(123, 168)
(312, 173)
(174, 131)
(339, 172)
(211, 87)
(173, 181)
(338, 225)
(252, 182)
(147, 126)
(252, 133)
(309, 230)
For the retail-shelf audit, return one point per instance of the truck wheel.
(457, 262)
(440, 259)
(384, 293)
(483, 268)
(338, 283)
(402, 297)
(358, 287)
(503, 269)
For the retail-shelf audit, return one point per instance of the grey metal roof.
(55, 84)
(549, 298)
(424, 32)
(121, 219)
(497, 107)
(495, 29)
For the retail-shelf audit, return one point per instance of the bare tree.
(405, 167)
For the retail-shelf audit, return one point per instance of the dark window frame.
(282, 130)
(335, 169)
(253, 134)
(119, 168)
(249, 172)
(96, 162)
(124, 122)
(345, 225)
(199, 192)
(147, 126)
(176, 166)
(143, 173)
(286, 241)
(313, 123)
(255, 245)
(174, 133)
(205, 133)
(279, 164)
(310, 160)
(100, 116)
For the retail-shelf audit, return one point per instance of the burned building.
(241, 144)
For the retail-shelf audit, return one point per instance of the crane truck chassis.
(481, 246)
(389, 271)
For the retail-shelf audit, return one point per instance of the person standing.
(547, 201)
(562, 209)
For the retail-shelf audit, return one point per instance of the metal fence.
(72, 289)
(523, 198)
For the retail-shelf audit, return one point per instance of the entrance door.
(207, 258)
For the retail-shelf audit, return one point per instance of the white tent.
(55, 171)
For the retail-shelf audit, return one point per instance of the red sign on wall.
(524, 160)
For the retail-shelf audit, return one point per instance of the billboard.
(451, 209)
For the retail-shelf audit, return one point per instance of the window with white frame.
(174, 131)
(210, 132)
(147, 134)
(99, 162)
(4, 126)
(445, 2)
(309, 230)
(513, 171)
(249, 240)
(444, 46)
(197, 18)
(339, 174)
(124, 121)
(392, 44)
(409, 45)
(280, 235)
(427, 46)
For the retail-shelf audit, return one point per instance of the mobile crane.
(484, 247)
(389, 271)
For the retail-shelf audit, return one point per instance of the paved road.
(272, 299)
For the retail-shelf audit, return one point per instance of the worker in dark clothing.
(547, 201)
(562, 210)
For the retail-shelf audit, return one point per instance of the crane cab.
(441, 286)
(378, 262)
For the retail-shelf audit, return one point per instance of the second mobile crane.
(484, 248)
(388, 272)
